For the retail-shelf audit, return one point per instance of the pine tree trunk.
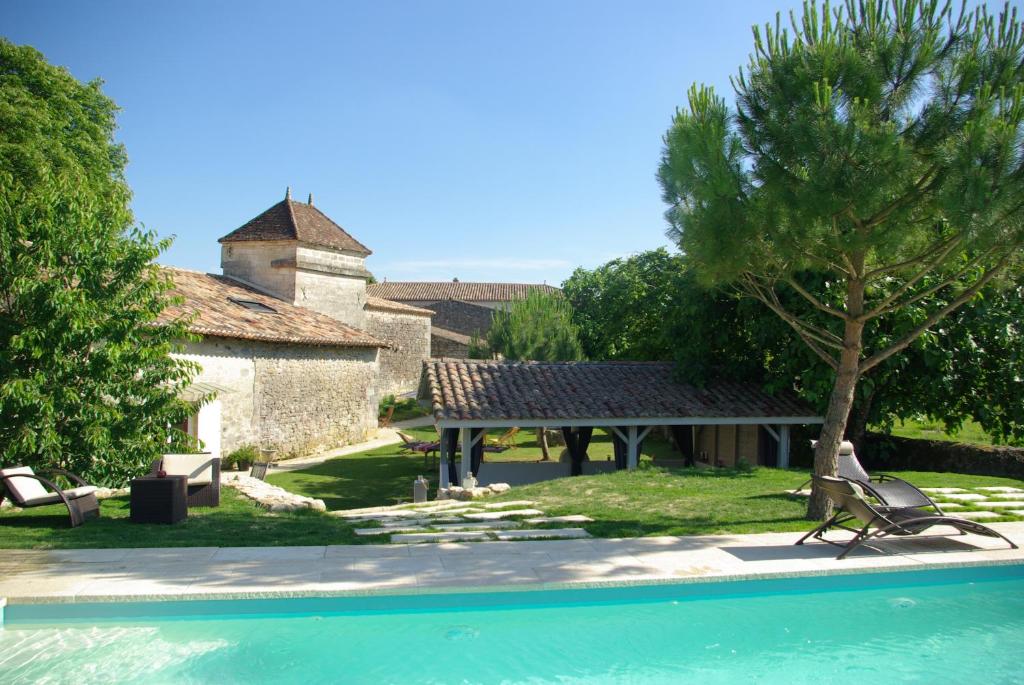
(826, 454)
(542, 440)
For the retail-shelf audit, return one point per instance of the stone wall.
(890, 453)
(250, 262)
(462, 317)
(409, 335)
(445, 347)
(294, 398)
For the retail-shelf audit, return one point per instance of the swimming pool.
(940, 626)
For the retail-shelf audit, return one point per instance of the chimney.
(310, 199)
(288, 193)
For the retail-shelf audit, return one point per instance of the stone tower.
(295, 252)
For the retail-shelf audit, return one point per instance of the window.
(254, 306)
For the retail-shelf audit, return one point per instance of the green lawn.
(649, 501)
(236, 522)
(923, 429)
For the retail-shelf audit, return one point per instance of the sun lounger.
(26, 489)
(881, 521)
(889, 490)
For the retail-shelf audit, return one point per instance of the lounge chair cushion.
(198, 467)
(54, 498)
(30, 492)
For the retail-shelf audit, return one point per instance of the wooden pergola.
(628, 399)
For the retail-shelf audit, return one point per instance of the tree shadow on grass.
(352, 483)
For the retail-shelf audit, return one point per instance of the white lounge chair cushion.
(54, 498)
(23, 489)
(198, 467)
(31, 492)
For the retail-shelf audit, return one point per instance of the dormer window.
(254, 306)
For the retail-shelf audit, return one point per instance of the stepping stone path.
(503, 514)
(991, 502)
(561, 533)
(573, 518)
(460, 521)
(972, 515)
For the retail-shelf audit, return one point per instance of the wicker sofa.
(203, 473)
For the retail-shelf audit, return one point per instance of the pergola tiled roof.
(389, 306)
(434, 291)
(215, 300)
(290, 220)
(487, 393)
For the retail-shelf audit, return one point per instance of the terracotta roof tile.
(434, 291)
(290, 220)
(389, 306)
(215, 301)
(486, 390)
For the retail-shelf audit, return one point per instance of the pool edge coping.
(497, 588)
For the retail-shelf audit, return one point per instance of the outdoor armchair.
(203, 473)
(881, 521)
(27, 489)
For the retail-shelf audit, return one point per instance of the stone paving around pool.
(976, 504)
(32, 576)
(455, 521)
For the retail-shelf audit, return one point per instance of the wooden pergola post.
(783, 446)
(442, 477)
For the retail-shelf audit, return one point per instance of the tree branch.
(815, 301)
(886, 306)
(805, 330)
(899, 266)
(879, 357)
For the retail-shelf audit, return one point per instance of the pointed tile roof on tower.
(291, 220)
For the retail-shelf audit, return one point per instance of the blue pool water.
(942, 626)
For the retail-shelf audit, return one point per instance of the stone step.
(1016, 512)
(972, 515)
(571, 518)
(951, 505)
(478, 526)
(367, 532)
(1003, 505)
(421, 521)
(799, 493)
(453, 536)
(1000, 488)
(964, 497)
(942, 491)
(553, 533)
(511, 503)
(501, 514)
(389, 514)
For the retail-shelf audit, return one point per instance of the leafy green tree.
(877, 143)
(970, 367)
(87, 382)
(538, 327)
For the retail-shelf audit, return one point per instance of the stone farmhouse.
(461, 309)
(297, 351)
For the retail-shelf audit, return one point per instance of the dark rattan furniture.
(880, 521)
(202, 471)
(159, 500)
(27, 489)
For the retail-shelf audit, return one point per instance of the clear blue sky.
(505, 141)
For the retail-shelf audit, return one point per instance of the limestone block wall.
(409, 335)
(251, 262)
(337, 296)
(297, 399)
(444, 347)
(462, 317)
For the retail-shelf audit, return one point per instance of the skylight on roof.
(254, 306)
